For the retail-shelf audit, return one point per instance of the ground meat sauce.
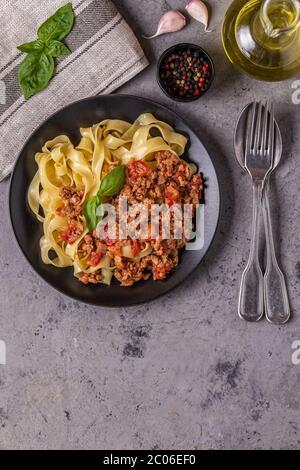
(168, 182)
(72, 211)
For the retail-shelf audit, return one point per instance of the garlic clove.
(198, 10)
(170, 22)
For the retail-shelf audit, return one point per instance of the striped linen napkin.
(105, 55)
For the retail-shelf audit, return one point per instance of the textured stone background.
(182, 372)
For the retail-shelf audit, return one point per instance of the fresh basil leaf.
(57, 48)
(90, 212)
(58, 25)
(33, 46)
(111, 185)
(38, 67)
(113, 182)
(35, 72)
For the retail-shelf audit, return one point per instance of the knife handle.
(277, 306)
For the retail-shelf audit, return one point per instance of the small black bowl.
(176, 48)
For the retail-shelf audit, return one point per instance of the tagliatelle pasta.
(83, 167)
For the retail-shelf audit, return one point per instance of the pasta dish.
(75, 186)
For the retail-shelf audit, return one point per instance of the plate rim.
(36, 130)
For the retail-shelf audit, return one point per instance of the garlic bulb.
(198, 10)
(170, 22)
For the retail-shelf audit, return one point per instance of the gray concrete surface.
(182, 372)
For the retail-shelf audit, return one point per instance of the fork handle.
(277, 306)
(251, 300)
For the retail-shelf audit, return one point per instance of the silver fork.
(259, 153)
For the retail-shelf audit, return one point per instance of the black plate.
(28, 230)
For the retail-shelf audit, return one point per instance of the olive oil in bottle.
(262, 37)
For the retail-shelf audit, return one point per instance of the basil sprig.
(91, 216)
(38, 67)
(110, 186)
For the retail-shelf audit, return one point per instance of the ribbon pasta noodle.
(83, 167)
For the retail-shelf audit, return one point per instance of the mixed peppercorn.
(186, 73)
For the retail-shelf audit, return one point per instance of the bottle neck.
(279, 18)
